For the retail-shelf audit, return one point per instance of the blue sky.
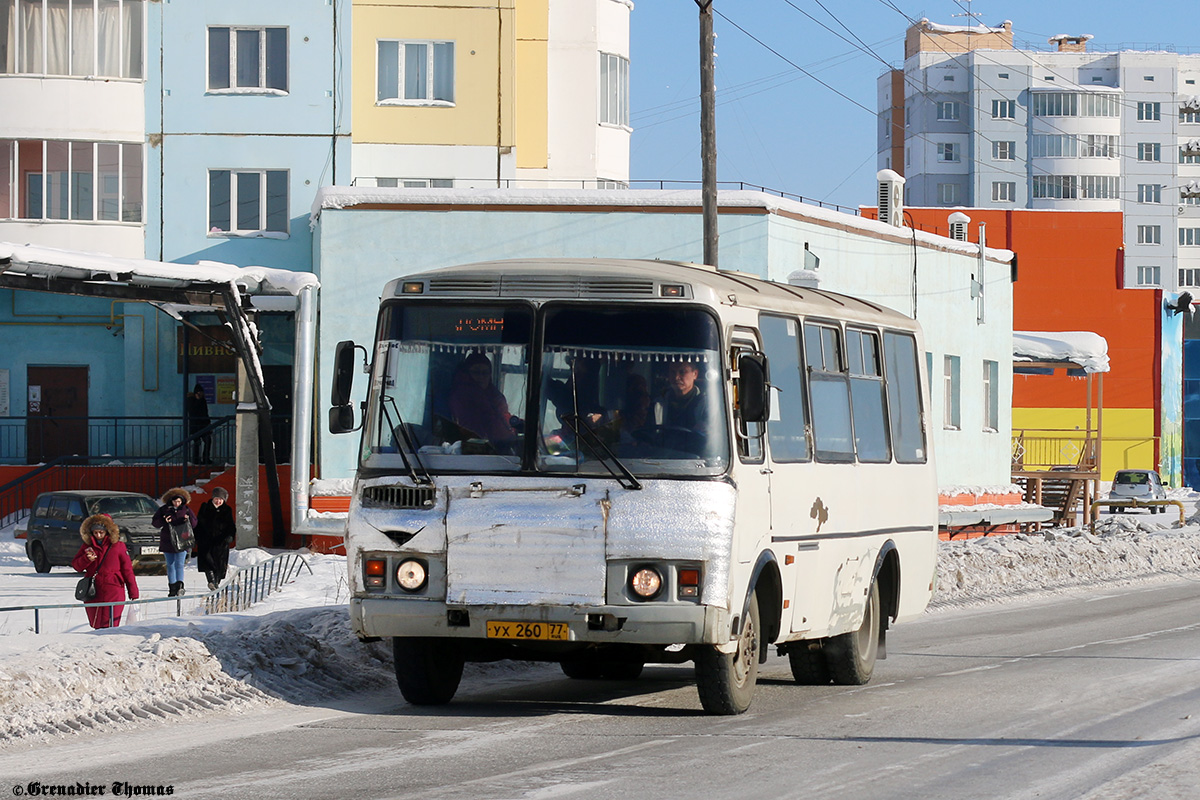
(777, 127)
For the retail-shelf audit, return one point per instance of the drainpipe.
(303, 402)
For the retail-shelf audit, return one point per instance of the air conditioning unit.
(891, 197)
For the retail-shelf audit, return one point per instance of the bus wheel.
(851, 656)
(726, 680)
(809, 667)
(427, 670)
(37, 554)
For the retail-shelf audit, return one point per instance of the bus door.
(753, 524)
(798, 513)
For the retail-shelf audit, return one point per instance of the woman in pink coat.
(103, 555)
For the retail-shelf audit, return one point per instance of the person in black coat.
(198, 420)
(215, 532)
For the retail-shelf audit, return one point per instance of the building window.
(247, 58)
(1071, 104)
(1055, 187)
(1149, 276)
(1149, 193)
(951, 416)
(1004, 109)
(991, 396)
(1189, 237)
(1151, 234)
(1189, 198)
(1189, 115)
(1002, 75)
(70, 180)
(1004, 151)
(1149, 112)
(949, 193)
(411, 183)
(1004, 192)
(1088, 145)
(247, 201)
(44, 37)
(1099, 187)
(1189, 277)
(1098, 146)
(947, 151)
(947, 110)
(614, 90)
(1149, 151)
(1189, 155)
(414, 73)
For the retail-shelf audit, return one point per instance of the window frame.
(952, 393)
(431, 73)
(1004, 151)
(126, 55)
(608, 103)
(948, 111)
(263, 58)
(1001, 105)
(234, 232)
(1149, 152)
(1150, 234)
(1149, 193)
(1149, 275)
(777, 402)
(991, 396)
(1010, 190)
(838, 376)
(948, 153)
(1149, 111)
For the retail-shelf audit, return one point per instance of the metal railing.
(26, 440)
(243, 589)
(1034, 449)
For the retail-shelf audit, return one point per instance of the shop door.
(57, 409)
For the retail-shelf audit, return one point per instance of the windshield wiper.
(586, 434)
(424, 477)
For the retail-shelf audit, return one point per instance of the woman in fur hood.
(103, 556)
(173, 511)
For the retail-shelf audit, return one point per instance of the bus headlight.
(411, 575)
(646, 583)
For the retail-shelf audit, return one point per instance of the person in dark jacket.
(103, 555)
(215, 532)
(198, 420)
(174, 510)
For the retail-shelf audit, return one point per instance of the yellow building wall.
(1128, 433)
(533, 115)
(484, 39)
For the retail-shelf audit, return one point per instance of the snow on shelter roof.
(49, 262)
(1083, 348)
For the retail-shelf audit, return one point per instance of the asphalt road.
(1089, 694)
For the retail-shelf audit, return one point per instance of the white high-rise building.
(971, 120)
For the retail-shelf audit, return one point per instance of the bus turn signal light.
(689, 583)
(374, 570)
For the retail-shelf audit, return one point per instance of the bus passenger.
(680, 414)
(477, 406)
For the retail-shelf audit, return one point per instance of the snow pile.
(1088, 350)
(296, 646)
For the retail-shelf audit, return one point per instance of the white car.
(1137, 484)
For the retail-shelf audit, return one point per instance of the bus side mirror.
(341, 415)
(753, 398)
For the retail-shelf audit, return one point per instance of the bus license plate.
(541, 631)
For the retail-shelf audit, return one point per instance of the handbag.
(182, 538)
(85, 590)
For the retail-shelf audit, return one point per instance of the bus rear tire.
(428, 671)
(809, 667)
(726, 681)
(851, 656)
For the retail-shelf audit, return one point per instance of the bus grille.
(574, 286)
(399, 496)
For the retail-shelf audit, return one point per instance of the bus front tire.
(726, 681)
(428, 671)
(851, 656)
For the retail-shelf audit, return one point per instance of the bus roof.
(613, 279)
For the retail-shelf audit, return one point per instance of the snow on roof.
(338, 197)
(1088, 350)
(934, 27)
(52, 262)
(1068, 37)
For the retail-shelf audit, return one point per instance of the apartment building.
(972, 120)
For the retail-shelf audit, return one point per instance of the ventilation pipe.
(891, 197)
(958, 226)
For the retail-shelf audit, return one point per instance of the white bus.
(610, 463)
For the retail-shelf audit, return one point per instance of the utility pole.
(708, 132)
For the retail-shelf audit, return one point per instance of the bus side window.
(749, 434)
(787, 429)
(833, 432)
(904, 397)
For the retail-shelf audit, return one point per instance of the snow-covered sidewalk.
(296, 646)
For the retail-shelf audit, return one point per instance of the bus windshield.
(644, 384)
(639, 385)
(449, 388)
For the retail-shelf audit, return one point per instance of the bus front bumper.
(651, 624)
